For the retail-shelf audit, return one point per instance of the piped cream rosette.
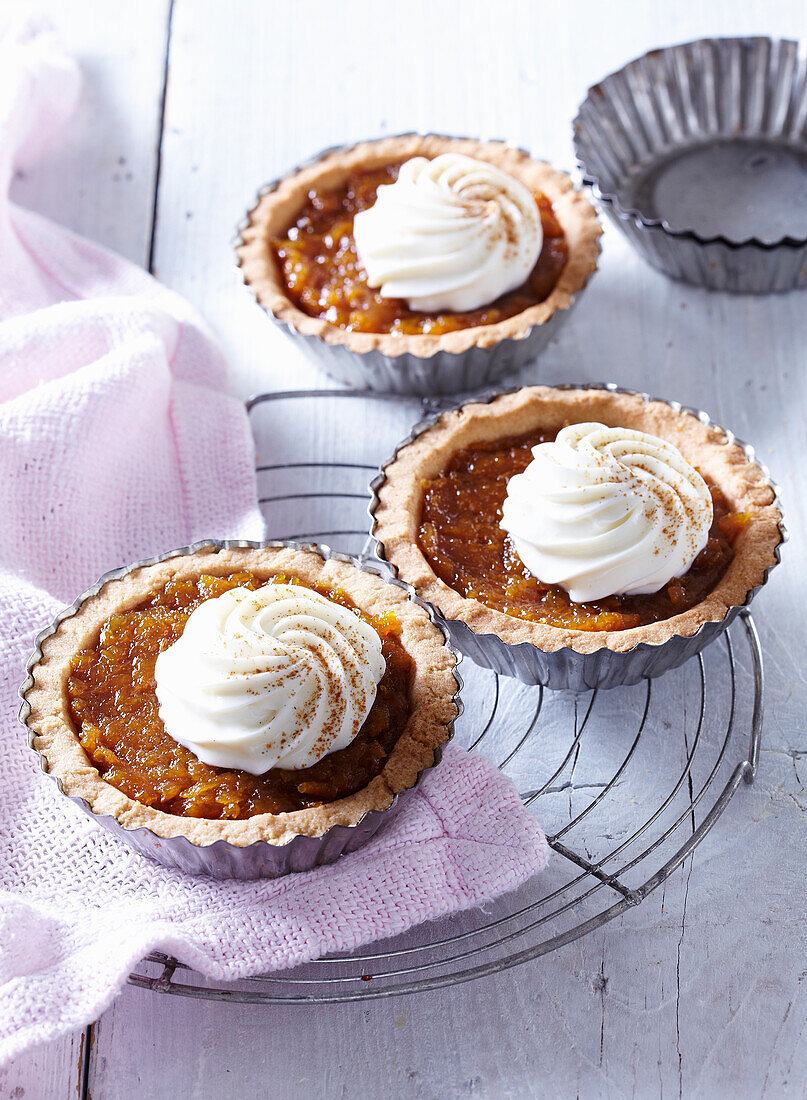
(607, 511)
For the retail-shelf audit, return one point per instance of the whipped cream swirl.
(275, 678)
(451, 233)
(607, 511)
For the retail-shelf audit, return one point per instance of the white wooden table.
(188, 107)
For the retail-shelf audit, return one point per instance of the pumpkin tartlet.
(437, 514)
(297, 254)
(93, 715)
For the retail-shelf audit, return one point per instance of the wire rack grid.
(627, 782)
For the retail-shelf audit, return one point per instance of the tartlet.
(264, 844)
(452, 361)
(558, 656)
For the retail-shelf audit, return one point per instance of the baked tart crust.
(277, 208)
(432, 696)
(396, 512)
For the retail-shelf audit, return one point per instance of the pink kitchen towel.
(117, 441)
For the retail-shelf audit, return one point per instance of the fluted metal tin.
(681, 146)
(564, 668)
(221, 859)
(443, 372)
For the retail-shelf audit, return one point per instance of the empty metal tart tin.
(564, 668)
(431, 373)
(221, 859)
(698, 154)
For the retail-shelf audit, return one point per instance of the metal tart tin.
(262, 859)
(565, 668)
(443, 372)
(698, 154)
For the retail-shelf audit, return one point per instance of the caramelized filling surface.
(325, 278)
(115, 711)
(460, 536)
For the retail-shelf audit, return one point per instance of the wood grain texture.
(100, 182)
(702, 990)
(55, 1070)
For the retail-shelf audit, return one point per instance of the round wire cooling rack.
(626, 782)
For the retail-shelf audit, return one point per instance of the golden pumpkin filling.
(114, 706)
(323, 275)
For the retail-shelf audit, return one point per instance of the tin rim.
(567, 652)
(325, 553)
(629, 213)
(287, 324)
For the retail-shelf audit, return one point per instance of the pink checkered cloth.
(117, 441)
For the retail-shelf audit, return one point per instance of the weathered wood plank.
(55, 1070)
(100, 182)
